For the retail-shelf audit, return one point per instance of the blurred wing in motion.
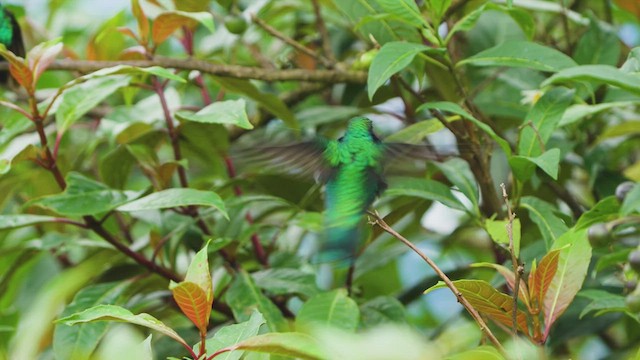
(397, 152)
(300, 159)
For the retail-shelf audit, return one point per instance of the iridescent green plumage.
(10, 36)
(352, 169)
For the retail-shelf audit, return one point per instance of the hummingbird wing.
(394, 152)
(300, 159)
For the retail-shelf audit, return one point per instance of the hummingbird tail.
(340, 246)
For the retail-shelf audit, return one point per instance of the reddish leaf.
(143, 22)
(510, 277)
(128, 32)
(540, 278)
(41, 56)
(19, 69)
(199, 274)
(567, 281)
(166, 23)
(193, 302)
(489, 302)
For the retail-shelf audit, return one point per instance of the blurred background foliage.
(539, 95)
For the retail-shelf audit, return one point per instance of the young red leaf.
(489, 302)
(193, 302)
(540, 278)
(19, 69)
(166, 23)
(41, 56)
(510, 277)
(143, 22)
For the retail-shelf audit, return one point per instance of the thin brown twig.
(461, 299)
(324, 34)
(296, 45)
(518, 269)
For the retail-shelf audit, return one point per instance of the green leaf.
(599, 45)
(220, 112)
(605, 210)
(497, 229)
(176, 197)
(573, 264)
(542, 120)
(415, 133)
(285, 281)
(16, 221)
(483, 352)
(543, 215)
(456, 109)
(603, 302)
(523, 166)
(460, 175)
(578, 112)
(391, 59)
(233, 334)
(599, 74)
(521, 54)
(631, 202)
(244, 296)
(404, 10)
(78, 100)
(117, 313)
(466, 23)
(83, 196)
(382, 310)
(125, 70)
(269, 101)
(80, 341)
(291, 344)
(510, 278)
(424, 188)
(333, 309)
(437, 9)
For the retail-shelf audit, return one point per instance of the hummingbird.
(352, 169)
(10, 37)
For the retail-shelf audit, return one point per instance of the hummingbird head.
(360, 127)
(6, 29)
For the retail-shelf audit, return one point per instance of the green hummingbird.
(10, 37)
(352, 170)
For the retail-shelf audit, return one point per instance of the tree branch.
(233, 71)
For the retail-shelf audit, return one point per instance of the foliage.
(126, 197)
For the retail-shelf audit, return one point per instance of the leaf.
(456, 109)
(19, 69)
(415, 133)
(285, 281)
(603, 302)
(599, 74)
(425, 189)
(575, 113)
(174, 198)
(542, 120)
(78, 100)
(510, 278)
(540, 279)
(244, 296)
(483, 352)
(193, 302)
(80, 341)
(220, 112)
(199, 273)
(542, 214)
(271, 102)
(41, 56)
(233, 334)
(572, 270)
(631, 202)
(117, 313)
(16, 221)
(143, 22)
(332, 309)
(405, 10)
(488, 301)
(382, 310)
(497, 229)
(604, 210)
(126, 70)
(466, 23)
(291, 344)
(167, 22)
(83, 196)
(599, 45)
(521, 54)
(523, 166)
(392, 58)
(460, 175)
